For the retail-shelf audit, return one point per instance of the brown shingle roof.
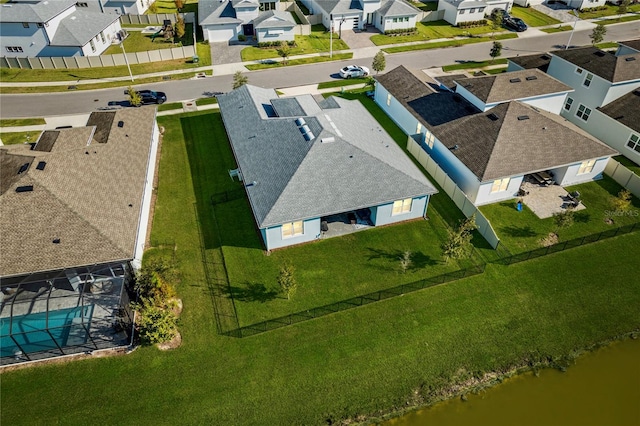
(87, 196)
(540, 61)
(625, 109)
(603, 64)
(512, 85)
(634, 44)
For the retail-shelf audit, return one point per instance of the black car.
(150, 96)
(515, 24)
(503, 13)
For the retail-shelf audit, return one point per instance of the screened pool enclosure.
(64, 312)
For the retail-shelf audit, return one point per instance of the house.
(74, 214)
(304, 163)
(225, 20)
(118, 7)
(55, 28)
(457, 12)
(385, 15)
(584, 4)
(488, 152)
(628, 47)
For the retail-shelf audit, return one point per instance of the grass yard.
(452, 43)
(558, 29)
(360, 363)
(301, 61)
(426, 6)
(344, 82)
(169, 6)
(619, 20)
(12, 122)
(317, 42)
(532, 17)
(206, 101)
(493, 71)
(430, 31)
(609, 10)
(138, 42)
(13, 138)
(522, 231)
(635, 168)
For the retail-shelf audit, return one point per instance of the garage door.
(222, 34)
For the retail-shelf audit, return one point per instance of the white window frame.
(586, 167)
(388, 99)
(93, 45)
(588, 79)
(461, 12)
(419, 127)
(102, 37)
(429, 139)
(292, 229)
(633, 143)
(579, 70)
(500, 185)
(568, 103)
(402, 206)
(583, 112)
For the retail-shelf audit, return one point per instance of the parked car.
(150, 96)
(501, 12)
(515, 24)
(351, 71)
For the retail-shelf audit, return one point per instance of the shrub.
(622, 201)
(401, 31)
(473, 24)
(242, 37)
(155, 324)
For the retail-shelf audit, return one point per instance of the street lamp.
(126, 60)
(575, 13)
(340, 27)
(331, 36)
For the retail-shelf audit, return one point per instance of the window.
(583, 112)
(25, 25)
(93, 45)
(14, 49)
(472, 10)
(418, 127)
(586, 167)
(381, 20)
(401, 206)
(578, 70)
(82, 4)
(40, 25)
(481, 9)
(102, 36)
(500, 185)
(268, 6)
(429, 139)
(587, 80)
(406, 19)
(388, 99)
(395, 20)
(634, 142)
(292, 229)
(461, 11)
(567, 104)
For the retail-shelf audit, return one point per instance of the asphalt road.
(53, 104)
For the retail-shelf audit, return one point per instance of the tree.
(597, 35)
(155, 324)
(179, 27)
(379, 62)
(283, 51)
(458, 244)
(179, 4)
(623, 6)
(622, 201)
(496, 22)
(239, 79)
(153, 7)
(287, 281)
(496, 50)
(405, 260)
(563, 219)
(134, 97)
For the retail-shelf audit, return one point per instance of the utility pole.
(575, 13)
(331, 36)
(126, 60)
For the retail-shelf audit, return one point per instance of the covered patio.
(545, 200)
(345, 223)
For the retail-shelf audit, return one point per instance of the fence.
(354, 302)
(623, 176)
(304, 28)
(576, 242)
(454, 192)
(225, 196)
(159, 18)
(430, 16)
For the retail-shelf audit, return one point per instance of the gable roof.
(274, 19)
(397, 8)
(212, 12)
(513, 85)
(510, 139)
(80, 27)
(465, 4)
(606, 65)
(85, 193)
(338, 6)
(39, 12)
(350, 162)
(540, 61)
(625, 110)
(633, 44)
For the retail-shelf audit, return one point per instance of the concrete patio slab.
(544, 201)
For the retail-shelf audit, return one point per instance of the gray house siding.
(32, 40)
(273, 239)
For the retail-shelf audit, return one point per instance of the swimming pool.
(33, 335)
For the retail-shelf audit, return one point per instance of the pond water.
(601, 389)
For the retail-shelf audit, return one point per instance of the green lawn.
(12, 122)
(206, 101)
(635, 168)
(362, 362)
(430, 31)
(301, 61)
(426, 6)
(609, 10)
(138, 42)
(452, 43)
(521, 231)
(12, 138)
(343, 82)
(532, 17)
(169, 6)
(619, 20)
(317, 42)
(558, 29)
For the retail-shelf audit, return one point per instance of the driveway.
(226, 53)
(360, 39)
(559, 11)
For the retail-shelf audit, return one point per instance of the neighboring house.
(55, 28)
(457, 12)
(304, 161)
(74, 214)
(584, 4)
(628, 47)
(118, 7)
(488, 152)
(225, 20)
(384, 15)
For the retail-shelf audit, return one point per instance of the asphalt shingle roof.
(350, 163)
(603, 64)
(634, 44)
(40, 12)
(212, 12)
(274, 19)
(87, 196)
(540, 61)
(397, 8)
(625, 109)
(80, 27)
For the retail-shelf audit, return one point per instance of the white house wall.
(387, 24)
(264, 35)
(484, 195)
(32, 40)
(568, 175)
(620, 89)
(272, 237)
(611, 132)
(247, 14)
(592, 96)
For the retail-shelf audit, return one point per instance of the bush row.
(401, 31)
(593, 9)
(269, 44)
(472, 24)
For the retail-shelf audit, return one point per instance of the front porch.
(345, 223)
(545, 200)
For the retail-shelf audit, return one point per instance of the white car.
(351, 71)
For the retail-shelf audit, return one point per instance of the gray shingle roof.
(500, 142)
(603, 64)
(80, 27)
(513, 85)
(540, 61)
(338, 6)
(87, 196)
(634, 44)
(274, 19)
(465, 4)
(40, 12)
(299, 179)
(211, 12)
(625, 109)
(397, 8)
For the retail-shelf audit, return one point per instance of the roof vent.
(514, 80)
(120, 123)
(523, 117)
(328, 139)
(453, 148)
(23, 168)
(532, 77)
(492, 117)
(600, 53)
(545, 57)
(308, 136)
(630, 58)
(26, 188)
(56, 241)
(41, 165)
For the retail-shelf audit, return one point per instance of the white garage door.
(222, 34)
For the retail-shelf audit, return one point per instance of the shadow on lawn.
(519, 231)
(419, 260)
(252, 292)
